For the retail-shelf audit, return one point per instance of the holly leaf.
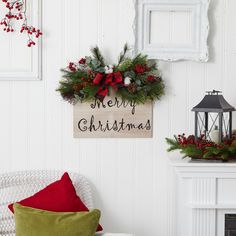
(130, 74)
(213, 150)
(101, 70)
(96, 63)
(88, 60)
(138, 82)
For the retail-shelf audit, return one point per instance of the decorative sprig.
(140, 59)
(16, 10)
(203, 149)
(98, 55)
(123, 54)
(133, 79)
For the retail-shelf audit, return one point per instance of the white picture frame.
(34, 54)
(186, 37)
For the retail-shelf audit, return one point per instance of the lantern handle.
(213, 92)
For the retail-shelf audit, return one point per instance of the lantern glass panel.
(209, 121)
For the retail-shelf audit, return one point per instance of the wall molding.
(195, 48)
(35, 60)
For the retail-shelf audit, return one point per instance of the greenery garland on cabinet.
(203, 149)
(132, 79)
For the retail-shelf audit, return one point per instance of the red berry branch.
(202, 148)
(16, 11)
(200, 143)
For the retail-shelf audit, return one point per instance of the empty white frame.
(172, 29)
(19, 62)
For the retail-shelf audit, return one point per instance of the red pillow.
(59, 196)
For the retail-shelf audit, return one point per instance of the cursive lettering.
(114, 103)
(117, 126)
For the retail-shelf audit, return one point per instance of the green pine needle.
(98, 55)
(123, 54)
(140, 59)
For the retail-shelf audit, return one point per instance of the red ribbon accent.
(98, 78)
(109, 79)
(112, 79)
(102, 93)
(118, 77)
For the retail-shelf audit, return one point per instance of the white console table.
(205, 193)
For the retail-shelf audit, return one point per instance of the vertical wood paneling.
(126, 184)
(162, 119)
(5, 124)
(204, 190)
(196, 89)
(179, 97)
(132, 180)
(215, 67)
(36, 122)
(144, 191)
(204, 222)
(19, 126)
(51, 73)
(230, 51)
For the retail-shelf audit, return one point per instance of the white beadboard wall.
(133, 183)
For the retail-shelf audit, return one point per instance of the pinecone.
(77, 87)
(84, 84)
(132, 88)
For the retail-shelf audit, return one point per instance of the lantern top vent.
(213, 102)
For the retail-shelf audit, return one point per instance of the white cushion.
(19, 185)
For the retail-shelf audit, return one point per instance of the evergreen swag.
(133, 79)
(202, 148)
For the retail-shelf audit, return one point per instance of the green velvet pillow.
(35, 222)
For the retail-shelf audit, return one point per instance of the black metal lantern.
(213, 113)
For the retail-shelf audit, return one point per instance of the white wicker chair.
(19, 185)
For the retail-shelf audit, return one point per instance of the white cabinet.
(205, 193)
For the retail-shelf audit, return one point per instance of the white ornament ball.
(108, 69)
(127, 80)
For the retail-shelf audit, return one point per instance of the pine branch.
(140, 59)
(191, 151)
(123, 54)
(98, 55)
(173, 144)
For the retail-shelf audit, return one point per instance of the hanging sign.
(112, 118)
